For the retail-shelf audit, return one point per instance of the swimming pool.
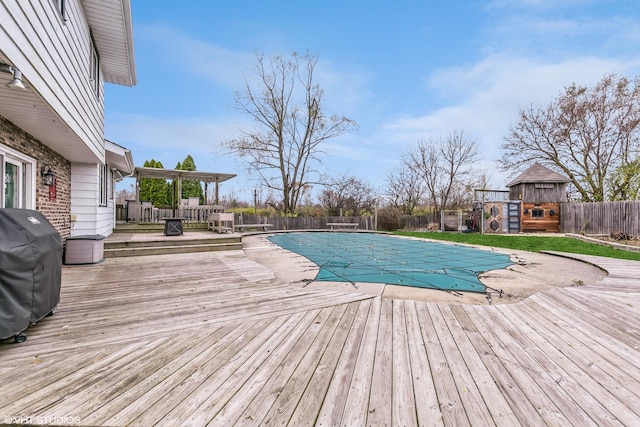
(393, 260)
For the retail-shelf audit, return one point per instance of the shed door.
(514, 216)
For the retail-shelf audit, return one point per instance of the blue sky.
(405, 71)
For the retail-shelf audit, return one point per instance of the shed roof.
(538, 173)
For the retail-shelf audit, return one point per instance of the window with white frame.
(94, 68)
(102, 173)
(16, 179)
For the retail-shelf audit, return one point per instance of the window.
(537, 213)
(60, 6)
(102, 173)
(16, 179)
(94, 69)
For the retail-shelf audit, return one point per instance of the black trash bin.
(30, 270)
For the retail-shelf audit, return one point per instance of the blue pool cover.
(378, 258)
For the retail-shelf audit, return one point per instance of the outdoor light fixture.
(48, 177)
(16, 83)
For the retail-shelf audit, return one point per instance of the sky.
(406, 71)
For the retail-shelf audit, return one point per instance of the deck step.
(170, 249)
(154, 227)
(170, 243)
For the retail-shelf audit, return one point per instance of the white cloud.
(485, 99)
(186, 54)
(197, 133)
(488, 95)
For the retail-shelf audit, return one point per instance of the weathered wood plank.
(615, 379)
(517, 400)
(601, 406)
(508, 358)
(581, 322)
(270, 371)
(182, 364)
(469, 395)
(333, 406)
(427, 406)
(222, 402)
(489, 394)
(451, 406)
(286, 400)
(311, 401)
(356, 405)
(552, 380)
(37, 401)
(380, 410)
(403, 403)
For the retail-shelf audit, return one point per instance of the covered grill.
(30, 270)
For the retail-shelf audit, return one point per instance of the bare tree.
(444, 165)
(286, 104)
(585, 133)
(405, 189)
(347, 196)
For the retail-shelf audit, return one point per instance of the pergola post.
(216, 196)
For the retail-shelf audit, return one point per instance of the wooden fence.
(305, 222)
(587, 218)
(302, 223)
(318, 223)
(601, 217)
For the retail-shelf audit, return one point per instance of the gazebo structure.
(192, 212)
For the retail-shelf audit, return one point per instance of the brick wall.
(58, 210)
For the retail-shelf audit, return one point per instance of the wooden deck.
(214, 338)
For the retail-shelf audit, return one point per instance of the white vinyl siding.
(55, 60)
(91, 218)
(60, 4)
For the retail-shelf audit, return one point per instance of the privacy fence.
(601, 217)
(587, 218)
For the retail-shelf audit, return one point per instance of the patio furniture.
(146, 211)
(219, 221)
(264, 227)
(333, 225)
(87, 249)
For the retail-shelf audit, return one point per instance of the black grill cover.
(30, 269)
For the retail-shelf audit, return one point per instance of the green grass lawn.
(527, 243)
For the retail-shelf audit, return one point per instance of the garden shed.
(540, 191)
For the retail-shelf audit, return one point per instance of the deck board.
(451, 405)
(216, 338)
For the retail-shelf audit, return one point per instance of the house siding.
(57, 211)
(89, 217)
(55, 55)
(539, 192)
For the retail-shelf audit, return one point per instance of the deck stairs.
(153, 242)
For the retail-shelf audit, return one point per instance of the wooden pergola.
(177, 176)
